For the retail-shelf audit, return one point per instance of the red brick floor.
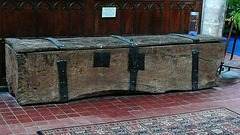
(26, 120)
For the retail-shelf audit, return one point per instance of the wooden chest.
(59, 70)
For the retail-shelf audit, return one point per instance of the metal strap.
(56, 42)
(134, 63)
(193, 38)
(129, 41)
(63, 85)
(133, 67)
(195, 59)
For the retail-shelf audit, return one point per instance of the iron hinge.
(136, 60)
(195, 63)
(63, 83)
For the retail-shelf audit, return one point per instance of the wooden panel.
(9, 19)
(142, 19)
(2, 64)
(166, 15)
(199, 9)
(185, 15)
(155, 18)
(44, 19)
(128, 19)
(60, 19)
(89, 19)
(175, 16)
(27, 19)
(1, 31)
(76, 19)
(114, 25)
(100, 24)
(179, 16)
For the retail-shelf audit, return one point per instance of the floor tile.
(26, 120)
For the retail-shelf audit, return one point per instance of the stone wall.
(213, 17)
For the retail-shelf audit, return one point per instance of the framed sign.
(109, 12)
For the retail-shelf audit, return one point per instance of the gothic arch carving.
(182, 5)
(189, 5)
(27, 5)
(98, 5)
(115, 4)
(9, 5)
(76, 5)
(128, 6)
(142, 5)
(44, 5)
(60, 5)
(155, 6)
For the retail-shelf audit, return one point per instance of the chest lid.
(86, 43)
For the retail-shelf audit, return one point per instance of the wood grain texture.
(32, 74)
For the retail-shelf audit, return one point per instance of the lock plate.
(101, 59)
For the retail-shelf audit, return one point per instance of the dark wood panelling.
(100, 25)
(44, 26)
(67, 18)
(133, 18)
(9, 19)
(142, 19)
(43, 18)
(198, 7)
(180, 12)
(156, 18)
(128, 19)
(61, 19)
(1, 31)
(76, 19)
(26, 19)
(2, 64)
(175, 16)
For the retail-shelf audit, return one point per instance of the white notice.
(109, 12)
